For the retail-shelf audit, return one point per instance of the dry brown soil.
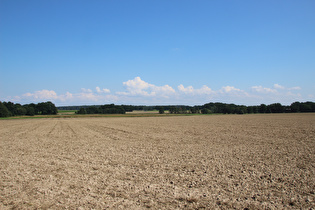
(212, 162)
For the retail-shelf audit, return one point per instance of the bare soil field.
(185, 162)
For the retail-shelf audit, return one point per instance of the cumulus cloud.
(277, 93)
(162, 90)
(204, 90)
(188, 89)
(138, 91)
(276, 90)
(261, 89)
(42, 94)
(232, 94)
(295, 88)
(104, 90)
(84, 90)
(138, 87)
(65, 97)
(230, 89)
(86, 95)
(277, 86)
(98, 96)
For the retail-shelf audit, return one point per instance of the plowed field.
(214, 161)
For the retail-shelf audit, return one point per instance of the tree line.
(223, 108)
(8, 109)
(208, 108)
(127, 108)
(263, 108)
(103, 109)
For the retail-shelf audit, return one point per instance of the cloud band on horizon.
(138, 91)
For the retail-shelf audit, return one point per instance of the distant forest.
(208, 108)
(103, 109)
(8, 109)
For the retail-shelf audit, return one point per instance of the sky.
(157, 52)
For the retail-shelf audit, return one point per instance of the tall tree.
(4, 112)
(10, 107)
(47, 108)
(161, 110)
(262, 108)
(276, 108)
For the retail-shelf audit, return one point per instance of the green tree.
(194, 110)
(172, 110)
(205, 111)
(19, 109)
(10, 107)
(81, 111)
(305, 107)
(295, 107)
(47, 108)
(4, 112)
(241, 110)
(92, 110)
(276, 108)
(250, 110)
(161, 110)
(30, 110)
(33, 106)
(262, 108)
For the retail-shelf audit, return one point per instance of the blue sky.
(138, 52)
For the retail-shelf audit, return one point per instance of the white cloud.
(284, 88)
(138, 91)
(138, 87)
(65, 97)
(86, 96)
(104, 90)
(278, 93)
(42, 94)
(204, 90)
(278, 89)
(186, 90)
(86, 90)
(295, 88)
(229, 89)
(277, 86)
(231, 94)
(261, 89)
(162, 90)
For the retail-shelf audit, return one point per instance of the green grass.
(66, 111)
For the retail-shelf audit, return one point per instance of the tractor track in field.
(110, 132)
